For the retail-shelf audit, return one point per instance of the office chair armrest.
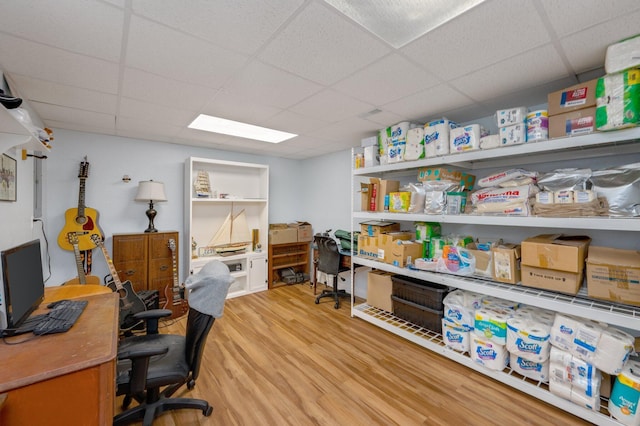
(152, 317)
(140, 354)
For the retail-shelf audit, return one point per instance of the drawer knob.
(164, 267)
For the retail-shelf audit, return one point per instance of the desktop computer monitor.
(23, 283)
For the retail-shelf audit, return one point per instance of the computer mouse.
(56, 303)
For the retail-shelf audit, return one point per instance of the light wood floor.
(276, 358)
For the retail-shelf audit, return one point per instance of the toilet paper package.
(436, 137)
(625, 395)
(580, 374)
(585, 341)
(498, 303)
(622, 55)
(460, 307)
(456, 336)
(510, 116)
(566, 391)
(618, 100)
(491, 324)
(514, 134)
(490, 141)
(613, 350)
(414, 148)
(538, 371)
(538, 126)
(560, 388)
(528, 339)
(564, 331)
(489, 354)
(463, 139)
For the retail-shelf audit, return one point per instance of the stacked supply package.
(436, 137)
(459, 313)
(572, 111)
(419, 302)
(512, 125)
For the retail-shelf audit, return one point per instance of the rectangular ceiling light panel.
(399, 22)
(209, 123)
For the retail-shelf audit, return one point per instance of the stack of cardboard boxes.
(572, 111)
(284, 233)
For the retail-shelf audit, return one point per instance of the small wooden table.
(65, 378)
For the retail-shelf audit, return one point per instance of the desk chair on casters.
(329, 263)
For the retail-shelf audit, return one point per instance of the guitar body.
(130, 304)
(83, 230)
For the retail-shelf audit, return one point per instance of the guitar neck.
(81, 205)
(81, 275)
(112, 268)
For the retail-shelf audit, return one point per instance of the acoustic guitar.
(130, 302)
(174, 295)
(82, 278)
(82, 221)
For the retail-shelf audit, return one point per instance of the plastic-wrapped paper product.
(416, 205)
(622, 55)
(505, 176)
(621, 188)
(414, 148)
(507, 201)
(618, 100)
(507, 117)
(565, 180)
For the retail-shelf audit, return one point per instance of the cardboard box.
(548, 279)
(465, 180)
(283, 235)
(373, 228)
(574, 123)
(582, 95)
(556, 251)
(401, 251)
(506, 263)
(484, 264)
(386, 241)
(367, 200)
(614, 274)
(368, 246)
(381, 188)
(379, 289)
(305, 232)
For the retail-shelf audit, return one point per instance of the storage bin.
(418, 314)
(421, 292)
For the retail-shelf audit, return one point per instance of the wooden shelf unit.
(288, 255)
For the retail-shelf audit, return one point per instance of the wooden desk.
(66, 378)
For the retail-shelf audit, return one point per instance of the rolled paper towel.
(564, 331)
(624, 403)
(436, 133)
(586, 340)
(496, 302)
(489, 354)
(590, 402)
(456, 336)
(560, 388)
(491, 323)
(567, 368)
(463, 139)
(528, 339)
(414, 148)
(534, 370)
(613, 350)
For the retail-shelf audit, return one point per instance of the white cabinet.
(620, 146)
(238, 205)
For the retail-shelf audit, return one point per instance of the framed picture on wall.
(8, 178)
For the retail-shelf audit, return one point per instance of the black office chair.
(329, 263)
(152, 367)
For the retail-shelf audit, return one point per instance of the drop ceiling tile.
(235, 108)
(67, 25)
(153, 113)
(323, 46)
(51, 64)
(80, 127)
(350, 131)
(135, 127)
(470, 113)
(152, 88)
(530, 96)
(291, 122)
(187, 134)
(58, 94)
(570, 16)
(487, 34)
(532, 68)
(384, 118)
(161, 50)
(240, 25)
(267, 85)
(331, 106)
(428, 103)
(48, 112)
(389, 79)
(586, 49)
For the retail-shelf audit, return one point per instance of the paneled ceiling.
(146, 68)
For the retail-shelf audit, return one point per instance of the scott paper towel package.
(618, 100)
(436, 137)
(622, 55)
(507, 117)
(456, 336)
(528, 339)
(534, 370)
(397, 145)
(414, 148)
(625, 395)
(489, 354)
(463, 139)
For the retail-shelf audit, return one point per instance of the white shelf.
(433, 341)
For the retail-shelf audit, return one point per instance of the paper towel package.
(570, 369)
(491, 323)
(514, 134)
(625, 395)
(397, 144)
(618, 100)
(489, 354)
(507, 117)
(463, 139)
(436, 137)
(456, 336)
(613, 350)
(528, 339)
(622, 55)
(534, 370)
(564, 331)
(490, 141)
(414, 149)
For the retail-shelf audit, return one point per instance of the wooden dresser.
(146, 260)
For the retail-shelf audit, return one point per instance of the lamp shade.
(150, 190)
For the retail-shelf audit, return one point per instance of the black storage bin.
(417, 314)
(418, 291)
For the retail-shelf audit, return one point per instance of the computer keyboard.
(61, 317)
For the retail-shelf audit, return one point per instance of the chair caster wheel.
(317, 301)
(191, 384)
(126, 401)
(208, 411)
(337, 306)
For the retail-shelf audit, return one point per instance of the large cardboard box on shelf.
(366, 194)
(281, 233)
(556, 251)
(548, 279)
(379, 288)
(465, 180)
(368, 246)
(373, 228)
(402, 251)
(506, 263)
(383, 187)
(305, 232)
(573, 123)
(386, 241)
(614, 274)
(484, 263)
(578, 96)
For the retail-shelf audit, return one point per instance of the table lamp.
(151, 191)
